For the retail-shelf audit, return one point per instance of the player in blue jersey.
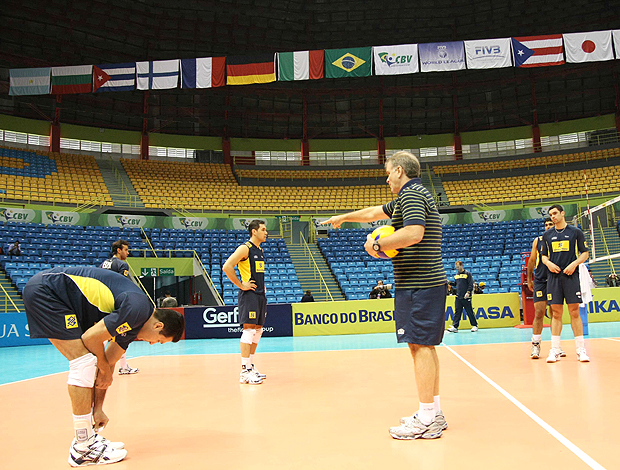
(78, 309)
(563, 250)
(118, 264)
(252, 304)
(421, 284)
(537, 282)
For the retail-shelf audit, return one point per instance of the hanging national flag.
(300, 65)
(244, 70)
(538, 51)
(488, 53)
(158, 75)
(616, 34)
(594, 46)
(73, 79)
(29, 81)
(206, 72)
(442, 56)
(396, 60)
(114, 77)
(353, 62)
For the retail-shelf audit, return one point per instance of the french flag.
(538, 51)
(206, 72)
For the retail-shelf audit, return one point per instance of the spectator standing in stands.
(250, 259)
(15, 249)
(559, 253)
(464, 283)
(169, 301)
(537, 274)
(612, 280)
(308, 297)
(479, 288)
(118, 264)
(420, 295)
(380, 291)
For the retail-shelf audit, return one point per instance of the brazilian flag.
(353, 62)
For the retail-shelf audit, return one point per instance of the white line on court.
(568, 444)
(612, 339)
(34, 378)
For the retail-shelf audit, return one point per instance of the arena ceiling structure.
(76, 32)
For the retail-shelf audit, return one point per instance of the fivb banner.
(488, 53)
(377, 316)
(442, 56)
(12, 214)
(396, 60)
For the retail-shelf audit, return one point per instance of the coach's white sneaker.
(128, 370)
(582, 356)
(95, 453)
(413, 428)
(440, 419)
(554, 355)
(474, 329)
(248, 376)
(452, 330)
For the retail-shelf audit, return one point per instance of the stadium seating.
(51, 177)
(530, 162)
(533, 187)
(297, 174)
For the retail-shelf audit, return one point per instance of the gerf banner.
(223, 322)
(395, 60)
(488, 53)
(442, 56)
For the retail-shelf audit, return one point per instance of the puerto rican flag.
(538, 51)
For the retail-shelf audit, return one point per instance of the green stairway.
(307, 276)
(5, 305)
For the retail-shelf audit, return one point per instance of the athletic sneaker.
(114, 445)
(128, 370)
(248, 376)
(452, 330)
(535, 351)
(258, 374)
(440, 419)
(582, 356)
(413, 428)
(96, 453)
(554, 355)
(474, 329)
(562, 353)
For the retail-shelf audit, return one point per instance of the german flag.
(244, 70)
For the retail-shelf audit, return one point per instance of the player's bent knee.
(82, 371)
(257, 335)
(248, 335)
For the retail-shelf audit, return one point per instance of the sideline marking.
(568, 444)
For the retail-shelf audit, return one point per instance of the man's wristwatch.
(375, 246)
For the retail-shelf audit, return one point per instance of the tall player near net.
(118, 264)
(537, 274)
(563, 250)
(252, 301)
(79, 309)
(421, 284)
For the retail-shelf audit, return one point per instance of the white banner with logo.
(12, 214)
(191, 223)
(60, 218)
(115, 220)
(442, 56)
(488, 53)
(396, 60)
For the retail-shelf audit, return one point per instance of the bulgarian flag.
(300, 65)
(74, 79)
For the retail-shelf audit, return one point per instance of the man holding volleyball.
(420, 281)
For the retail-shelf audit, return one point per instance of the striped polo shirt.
(417, 266)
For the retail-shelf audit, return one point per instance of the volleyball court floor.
(327, 404)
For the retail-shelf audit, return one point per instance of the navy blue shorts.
(540, 291)
(561, 287)
(48, 316)
(420, 315)
(252, 307)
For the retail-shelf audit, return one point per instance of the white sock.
(83, 426)
(437, 404)
(123, 361)
(246, 363)
(426, 413)
(555, 342)
(252, 359)
(536, 338)
(579, 342)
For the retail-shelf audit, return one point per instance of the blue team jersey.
(116, 265)
(541, 270)
(563, 246)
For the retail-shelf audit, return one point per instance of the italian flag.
(300, 65)
(74, 79)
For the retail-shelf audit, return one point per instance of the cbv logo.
(192, 223)
(124, 220)
(9, 214)
(488, 50)
(56, 218)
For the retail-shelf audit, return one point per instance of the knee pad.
(82, 371)
(247, 335)
(257, 335)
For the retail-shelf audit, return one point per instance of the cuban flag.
(205, 72)
(114, 77)
(158, 74)
(538, 51)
